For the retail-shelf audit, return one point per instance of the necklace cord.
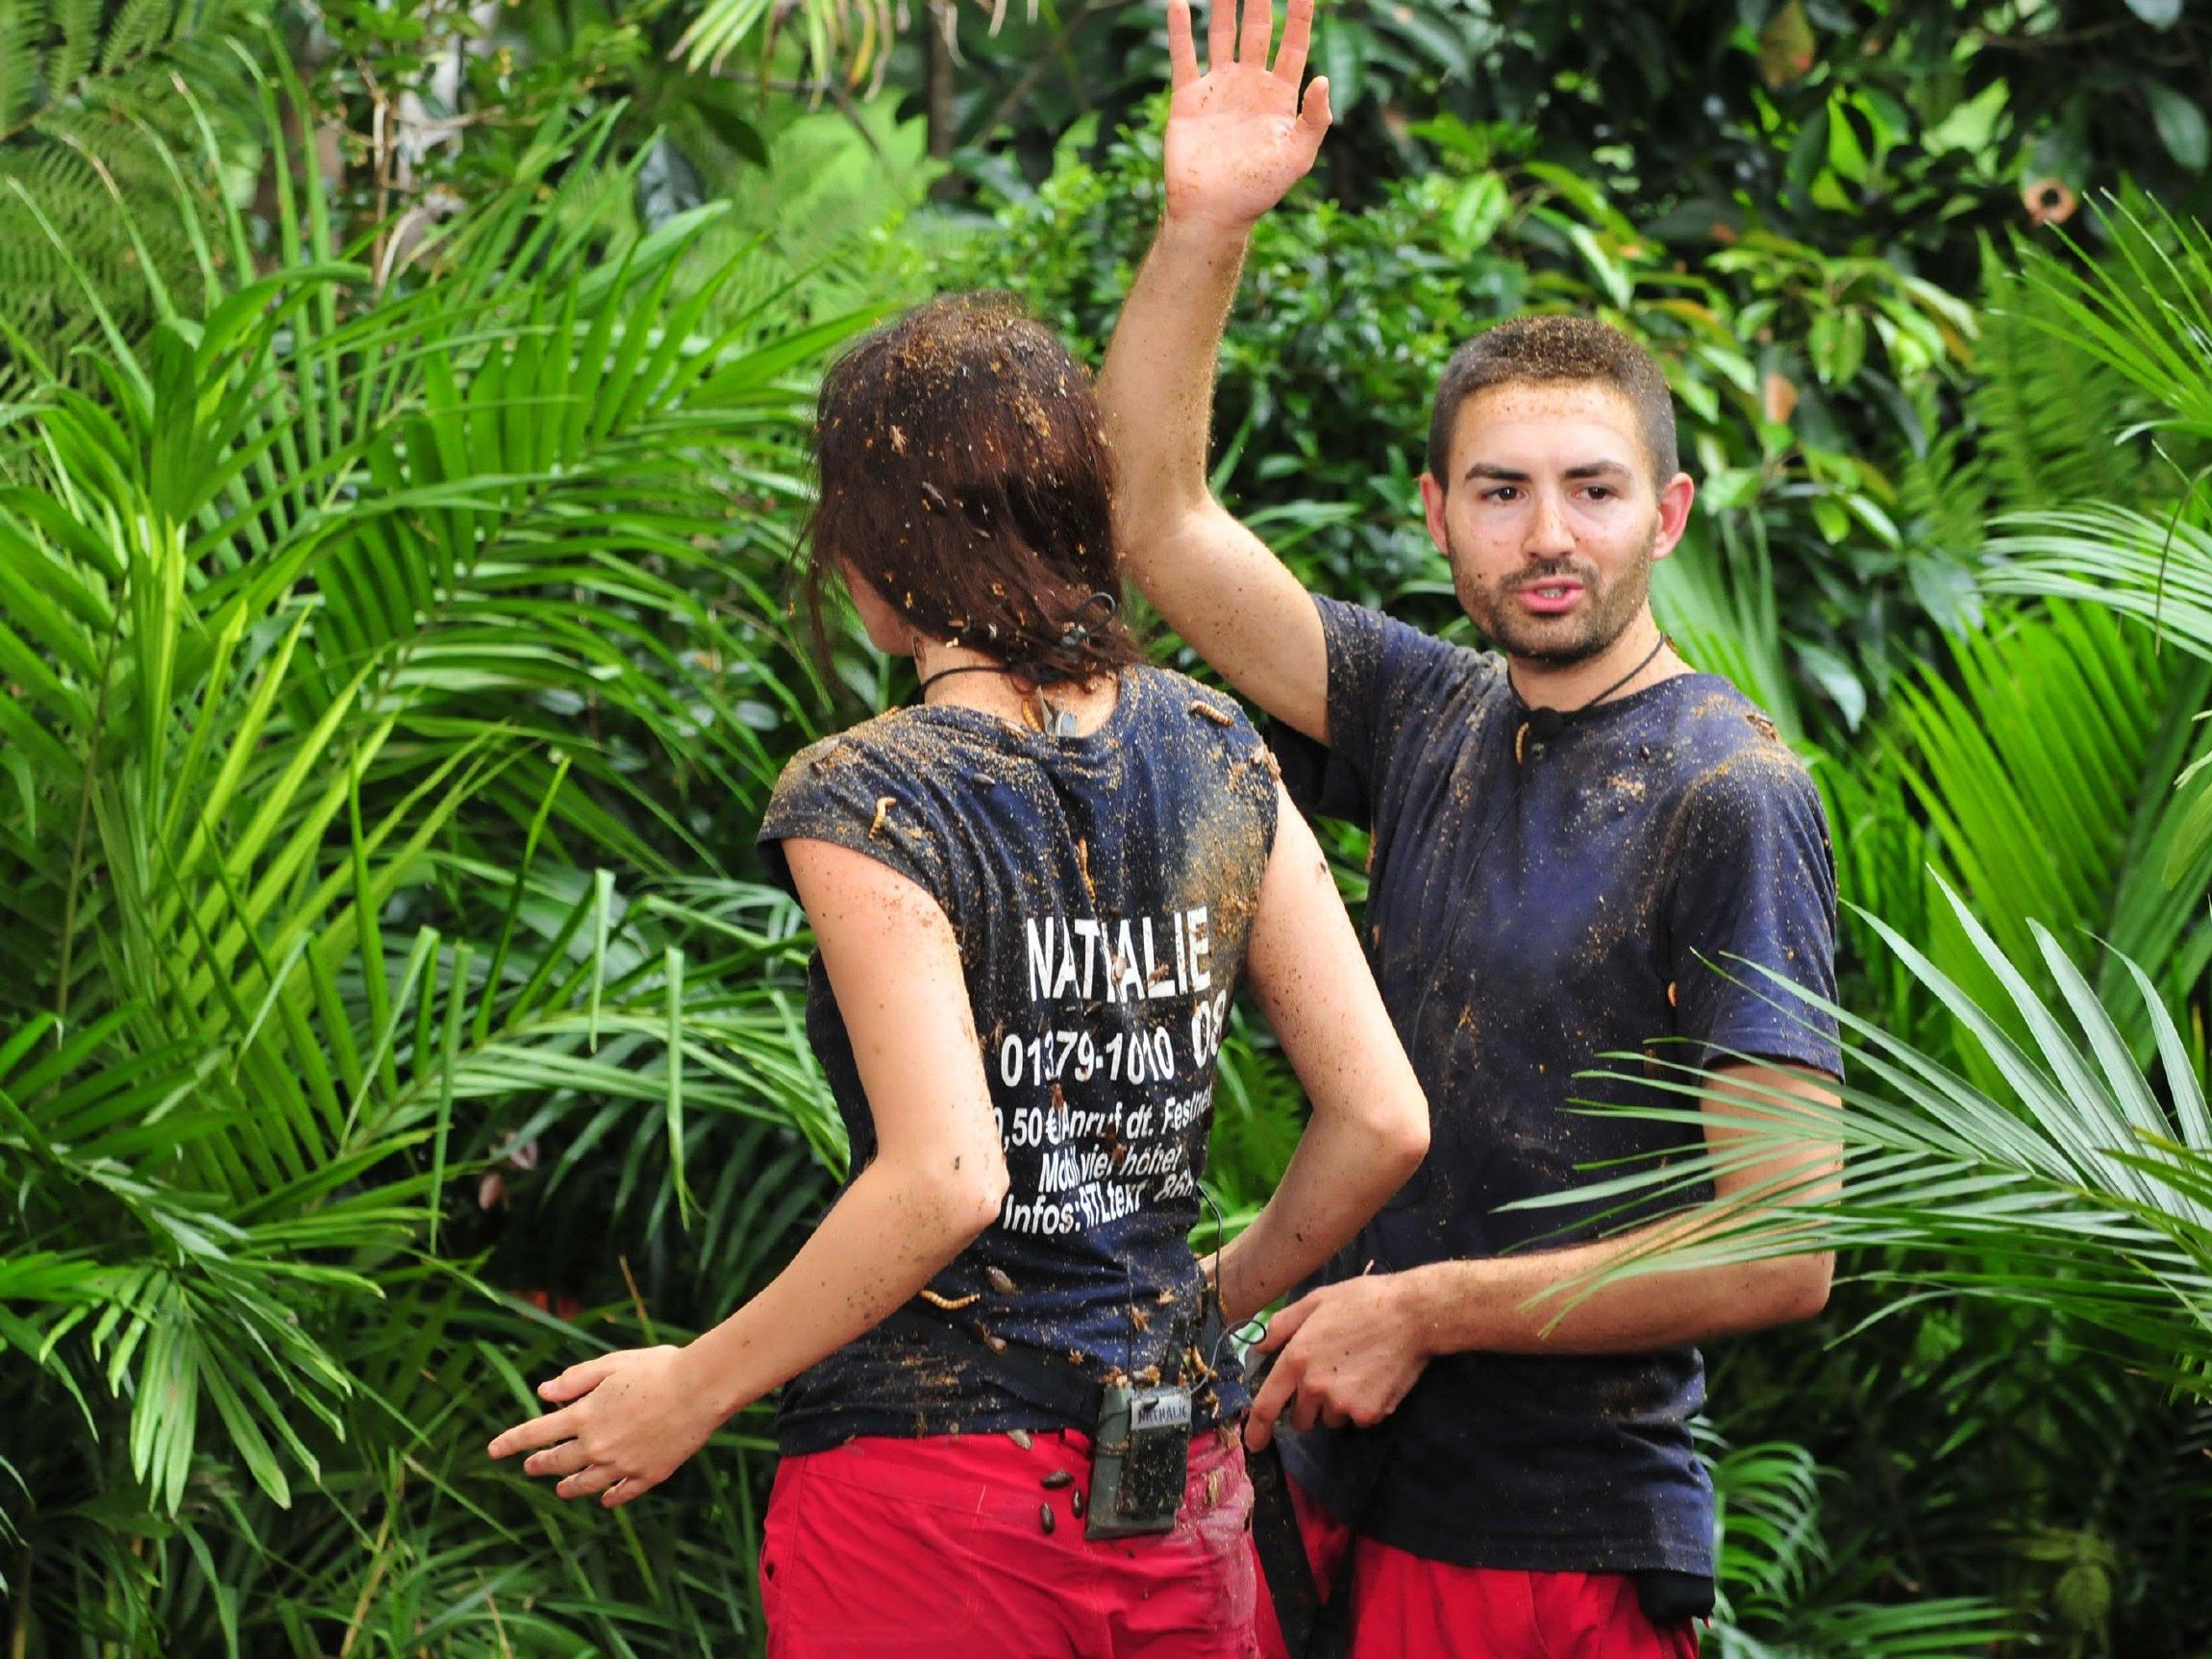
(1547, 722)
(966, 668)
(1080, 627)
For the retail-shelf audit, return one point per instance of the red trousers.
(937, 1548)
(1405, 1607)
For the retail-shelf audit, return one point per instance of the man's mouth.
(1550, 597)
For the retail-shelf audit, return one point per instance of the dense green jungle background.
(402, 426)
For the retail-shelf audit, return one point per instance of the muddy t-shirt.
(1102, 889)
(1603, 893)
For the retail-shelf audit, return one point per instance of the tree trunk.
(937, 92)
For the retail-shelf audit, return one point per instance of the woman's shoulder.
(874, 788)
(1214, 738)
(1176, 697)
(907, 741)
(893, 753)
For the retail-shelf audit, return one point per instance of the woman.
(1034, 896)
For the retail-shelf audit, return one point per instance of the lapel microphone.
(1546, 724)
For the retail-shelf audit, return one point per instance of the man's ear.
(1432, 509)
(1674, 501)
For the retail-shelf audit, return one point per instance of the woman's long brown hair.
(964, 475)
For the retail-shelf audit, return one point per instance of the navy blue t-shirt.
(1102, 889)
(1524, 918)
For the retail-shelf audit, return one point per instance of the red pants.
(930, 1547)
(1405, 1607)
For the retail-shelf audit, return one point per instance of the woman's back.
(1102, 888)
(1035, 939)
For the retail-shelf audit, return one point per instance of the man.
(1579, 846)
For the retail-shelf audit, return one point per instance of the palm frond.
(2081, 1184)
(89, 98)
(2154, 568)
(2052, 422)
(847, 39)
(2143, 309)
(380, 651)
(2041, 767)
(1777, 1580)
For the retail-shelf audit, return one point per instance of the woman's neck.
(984, 685)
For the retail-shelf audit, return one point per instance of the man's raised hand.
(1238, 136)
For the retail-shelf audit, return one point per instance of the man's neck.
(1575, 684)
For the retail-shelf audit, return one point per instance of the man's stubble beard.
(1606, 615)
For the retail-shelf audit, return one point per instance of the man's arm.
(1351, 1352)
(1238, 139)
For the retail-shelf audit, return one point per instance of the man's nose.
(1547, 532)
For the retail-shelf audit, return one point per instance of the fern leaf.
(21, 27)
(1943, 497)
(138, 28)
(79, 44)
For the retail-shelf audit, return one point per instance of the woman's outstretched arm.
(627, 1420)
(1369, 1123)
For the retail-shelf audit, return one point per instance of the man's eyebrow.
(1588, 469)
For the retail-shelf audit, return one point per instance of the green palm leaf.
(2040, 766)
(1780, 1584)
(377, 654)
(2156, 569)
(2143, 309)
(2081, 1184)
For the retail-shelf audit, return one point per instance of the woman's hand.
(627, 1420)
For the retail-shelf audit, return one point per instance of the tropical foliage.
(393, 668)
(401, 438)
(2038, 1138)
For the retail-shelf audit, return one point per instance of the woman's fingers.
(1284, 1325)
(627, 1492)
(579, 1379)
(536, 1435)
(1267, 1405)
(566, 1458)
(588, 1482)
(1313, 113)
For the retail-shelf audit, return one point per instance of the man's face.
(1551, 521)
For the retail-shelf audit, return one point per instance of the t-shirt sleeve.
(1381, 672)
(1755, 889)
(845, 792)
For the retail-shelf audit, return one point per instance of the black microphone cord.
(1547, 722)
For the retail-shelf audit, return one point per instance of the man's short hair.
(1550, 350)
